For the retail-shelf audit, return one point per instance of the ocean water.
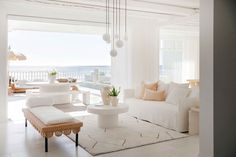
(88, 75)
(67, 69)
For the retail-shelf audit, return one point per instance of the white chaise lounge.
(48, 120)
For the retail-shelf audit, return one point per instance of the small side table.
(107, 114)
(194, 121)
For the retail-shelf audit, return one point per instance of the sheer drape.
(179, 56)
(190, 63)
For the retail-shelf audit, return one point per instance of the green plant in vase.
(53, 73)
(114, 93)
(52, 76)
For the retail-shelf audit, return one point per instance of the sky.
(59, 49)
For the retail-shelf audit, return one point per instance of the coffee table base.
(107, 121)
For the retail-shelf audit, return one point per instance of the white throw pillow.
(176, 95)
(138, 92)
(174, 85)
(36, 101)
(61, 98)
(163, 87)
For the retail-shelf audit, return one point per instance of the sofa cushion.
(62, 98)
(163, 87)
(139, 91)
(174, 85)
(59, 98)
(36, 101)
(158, 112)
(57, 87)
(176, 95)
(154, 95)
(51, 115)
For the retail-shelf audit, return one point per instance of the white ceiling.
(14, 25)
(150, 7)
(181, 14)
(181, 3)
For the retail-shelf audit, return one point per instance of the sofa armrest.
(128, 93)
(184, 106)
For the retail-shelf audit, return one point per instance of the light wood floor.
(18, 141)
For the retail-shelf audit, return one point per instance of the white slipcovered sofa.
(172, 116)
(61, 93)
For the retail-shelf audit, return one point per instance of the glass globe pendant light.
(115, 37)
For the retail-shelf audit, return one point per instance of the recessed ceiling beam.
(58, 19)
(167, 4)
(100, 7)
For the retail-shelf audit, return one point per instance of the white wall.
(206, 79)
(139, 59)
(3, 66)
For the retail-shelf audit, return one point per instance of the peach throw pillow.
(154, 95)
(151, 86)
(143, 86)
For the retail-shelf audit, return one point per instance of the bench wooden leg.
(76, 140)
(25, 122)
(46, 144)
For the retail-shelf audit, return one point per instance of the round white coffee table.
(107, 114)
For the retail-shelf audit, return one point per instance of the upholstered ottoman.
(48, 130)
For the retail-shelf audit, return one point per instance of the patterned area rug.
(131, 133)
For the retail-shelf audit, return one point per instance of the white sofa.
(168, 115)
(61, 93)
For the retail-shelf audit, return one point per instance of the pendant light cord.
(119, 19)
(113, 35)
(108, 16)
(106, 19)
(125, 17)
(116, 16)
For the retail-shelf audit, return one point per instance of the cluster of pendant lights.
(113, 35)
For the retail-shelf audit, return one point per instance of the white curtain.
(179, 56)
(138, 60)
(190, 63)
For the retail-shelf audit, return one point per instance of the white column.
(207, 78)
(3, 67)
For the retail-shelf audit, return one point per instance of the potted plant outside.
(52, 76)
(114, 96)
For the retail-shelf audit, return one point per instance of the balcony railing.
(42, 75)
(91, 80)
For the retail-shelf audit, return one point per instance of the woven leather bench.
(48, 131)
